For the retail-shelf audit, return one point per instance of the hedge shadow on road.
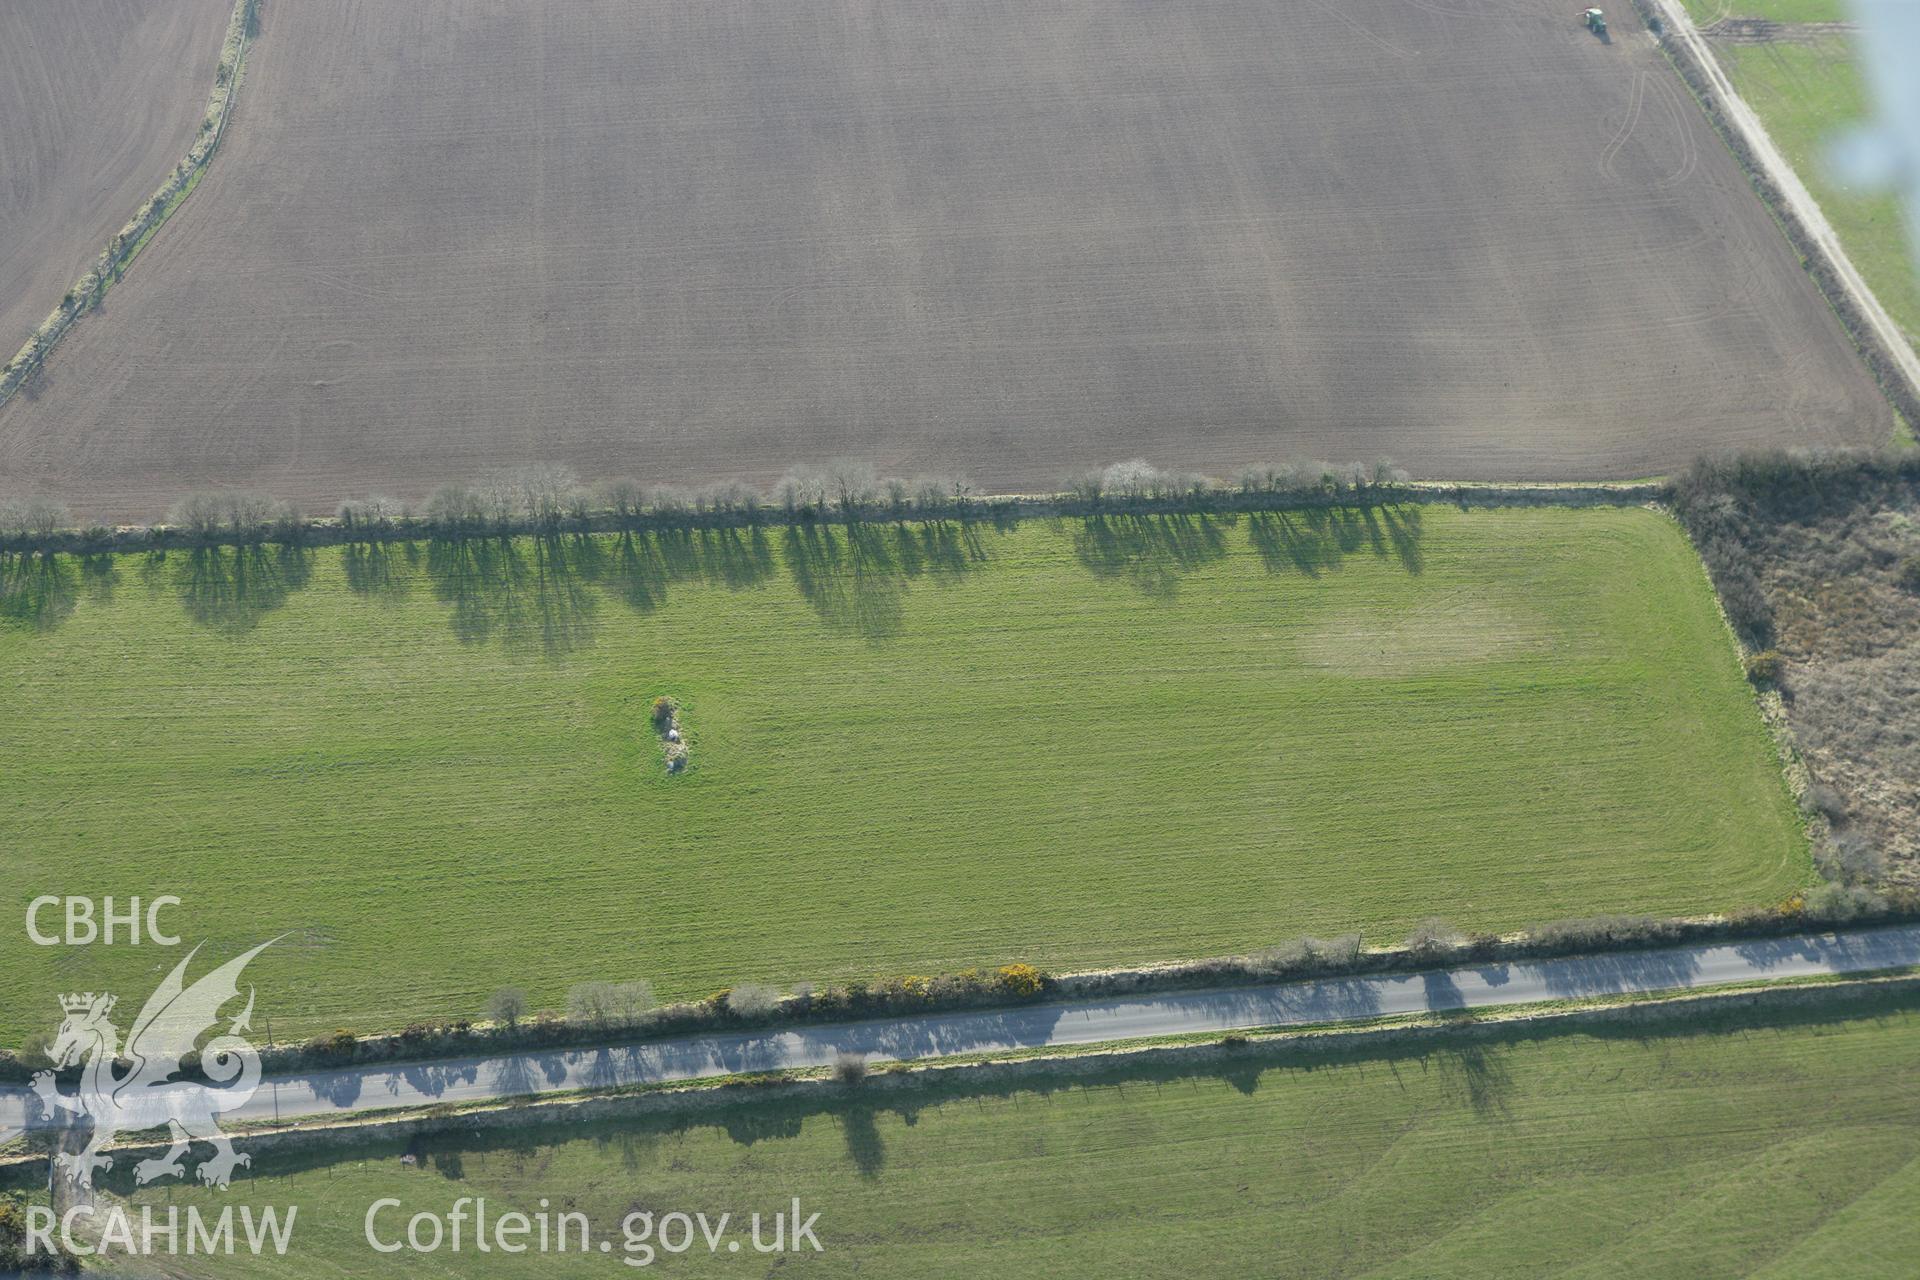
(1474, 1060)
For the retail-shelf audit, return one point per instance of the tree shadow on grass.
(38, 589)
(528, 594)
(1403, 530)
(637, 568)
(633, 569)
(865, 1147)
(540, 593)
(99, 576)
(1152, 551)
(1315, 540)
(382, 570)
(1480, 1075)
(855, 575)
(230, 589)
(733, 558)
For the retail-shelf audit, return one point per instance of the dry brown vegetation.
(98, 100)
(995, 239)
(1814, 558)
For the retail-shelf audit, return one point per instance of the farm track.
(1882, 336)
(98, 100)
(1001, 241)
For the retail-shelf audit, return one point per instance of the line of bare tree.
(547, 498)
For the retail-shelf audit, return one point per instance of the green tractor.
(1596, 22)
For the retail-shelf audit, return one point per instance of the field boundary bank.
(1879, 340)
(328, 532)
(929, 1081)
(111, 265)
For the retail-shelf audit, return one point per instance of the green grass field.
(1765, 1147)
(1805, 92)
(1076, 744)
(1706, 12)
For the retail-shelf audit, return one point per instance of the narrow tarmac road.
(333, 1093)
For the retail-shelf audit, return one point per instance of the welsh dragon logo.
(147, 1096)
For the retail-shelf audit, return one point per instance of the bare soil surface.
(691, 240)
(99, 99)
(1888, 350)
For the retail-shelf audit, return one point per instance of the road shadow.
(1580, 977)
(1471, 1056)
(1891, 949)
(1315, 540)
(1153, 552)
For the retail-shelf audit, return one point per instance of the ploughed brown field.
(99, 99)
(688, 239)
